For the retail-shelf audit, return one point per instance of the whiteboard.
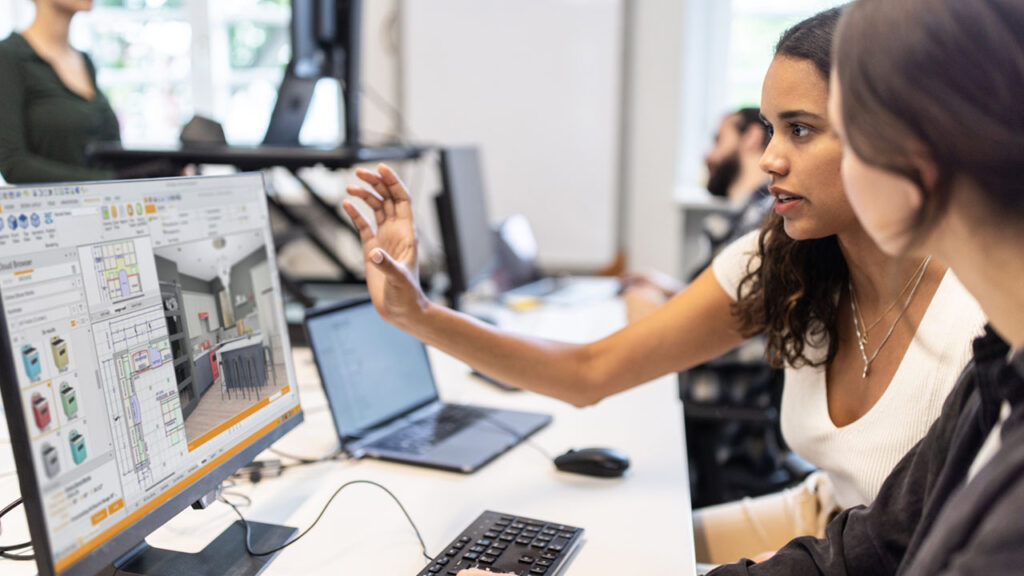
(536, 84)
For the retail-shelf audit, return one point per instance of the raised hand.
(392, 269)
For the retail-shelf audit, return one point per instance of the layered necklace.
(858, 320)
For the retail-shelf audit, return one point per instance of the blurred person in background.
(51, 107)
(734, 175)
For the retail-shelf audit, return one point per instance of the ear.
(929, 172)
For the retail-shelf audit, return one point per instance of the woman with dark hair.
(926, 99)
(868, 360)
(50, 107)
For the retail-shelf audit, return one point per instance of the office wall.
(535, 83)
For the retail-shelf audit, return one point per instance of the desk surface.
(636, 524)
(250, 157)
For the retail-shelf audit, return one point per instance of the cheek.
(884, 203)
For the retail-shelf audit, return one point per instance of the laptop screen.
(371, 371)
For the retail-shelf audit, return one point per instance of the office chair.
(731, 415)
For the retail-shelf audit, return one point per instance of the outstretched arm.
(693, 327)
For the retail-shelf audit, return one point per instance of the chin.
(798, 230)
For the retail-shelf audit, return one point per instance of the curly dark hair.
(789, 293)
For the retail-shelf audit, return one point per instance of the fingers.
(365, 232)
(390, 187)
(385, 263)
(372, 199)
(393, 183)
(377, 182)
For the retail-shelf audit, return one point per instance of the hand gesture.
(392, 270)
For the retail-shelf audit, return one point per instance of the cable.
(486, 416)
(248, 531)
(304, 459)
(5, 551)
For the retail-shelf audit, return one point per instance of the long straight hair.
(943, 78)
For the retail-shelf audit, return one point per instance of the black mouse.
(606, 462)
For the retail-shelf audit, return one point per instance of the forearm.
(557, 369)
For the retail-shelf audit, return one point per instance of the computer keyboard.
(510, 544)
(420, 435)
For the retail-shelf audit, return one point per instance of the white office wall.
(536, 84)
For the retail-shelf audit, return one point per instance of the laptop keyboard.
(420, 435)
(510, 544)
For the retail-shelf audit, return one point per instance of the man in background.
(733, 174)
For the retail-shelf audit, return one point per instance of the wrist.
(417, 316)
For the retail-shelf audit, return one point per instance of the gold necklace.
(862, 337)
(895, 300)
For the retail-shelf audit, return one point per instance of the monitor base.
(226, 555)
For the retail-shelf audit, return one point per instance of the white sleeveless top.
(859, 456)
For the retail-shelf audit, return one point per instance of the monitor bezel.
(128, 539)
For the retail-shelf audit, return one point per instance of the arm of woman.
(17, 162)
(693, 327)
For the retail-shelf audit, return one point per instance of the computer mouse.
(605, 462)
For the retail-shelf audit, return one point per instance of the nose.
(774, 162)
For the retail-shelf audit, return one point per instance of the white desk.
(634, 525)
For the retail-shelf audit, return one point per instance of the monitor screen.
(371, 371)
(144, 353)
(469, 242)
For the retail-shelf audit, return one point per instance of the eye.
(799, 130)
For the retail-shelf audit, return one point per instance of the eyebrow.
(791, 114)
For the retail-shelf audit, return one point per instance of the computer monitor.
(466, 232)
(143, 357)
(474, 250)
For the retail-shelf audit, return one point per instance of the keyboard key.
(487, 559)
(524, 559)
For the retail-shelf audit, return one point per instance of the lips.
(785, 201)
(783, 195)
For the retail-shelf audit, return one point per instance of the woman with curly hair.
(871, 343)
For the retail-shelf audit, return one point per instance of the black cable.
(305, 459)
(5, 551)
(486, 416)
(248, 531)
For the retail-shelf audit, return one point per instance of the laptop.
(381, 392)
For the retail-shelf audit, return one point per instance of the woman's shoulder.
(14, 49)
(953, 300)
(735, 261)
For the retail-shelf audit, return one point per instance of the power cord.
(248, 531)
(260, 469)
(5, 551)
(306, 459)
(486, 416)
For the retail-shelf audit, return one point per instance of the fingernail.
(377, 256)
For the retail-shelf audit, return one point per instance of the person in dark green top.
(50, 107)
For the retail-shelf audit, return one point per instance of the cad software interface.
(148, 341)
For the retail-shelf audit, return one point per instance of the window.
(161, 61)
(754, 29)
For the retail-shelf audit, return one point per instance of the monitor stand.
(225, 555)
